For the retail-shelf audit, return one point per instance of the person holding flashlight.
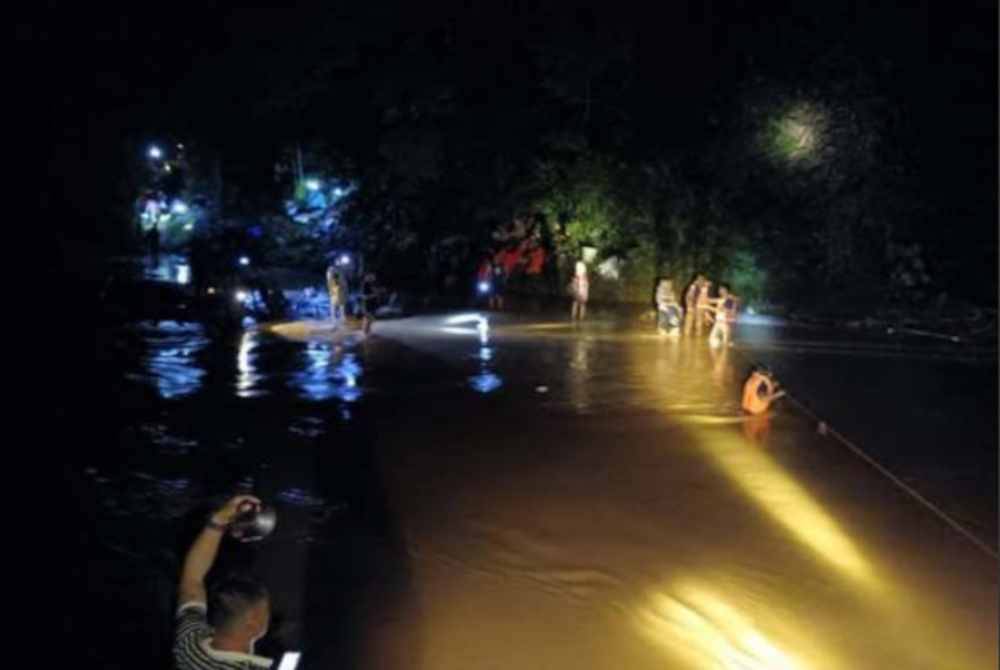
(218, 627)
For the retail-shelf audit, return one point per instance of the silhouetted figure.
(153, 242)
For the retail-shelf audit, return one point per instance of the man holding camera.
(216, 630)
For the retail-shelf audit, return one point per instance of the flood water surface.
(454, 492)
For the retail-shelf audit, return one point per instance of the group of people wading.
(700, 310)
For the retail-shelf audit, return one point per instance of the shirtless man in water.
(759, 391)
(724, 308)
(690, 303)
(703, 306)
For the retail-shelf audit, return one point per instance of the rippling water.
(535, 492)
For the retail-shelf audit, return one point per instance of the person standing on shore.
(580, 291)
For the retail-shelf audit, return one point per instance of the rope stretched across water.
(860, 453)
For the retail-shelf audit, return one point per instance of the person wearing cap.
(218, 627)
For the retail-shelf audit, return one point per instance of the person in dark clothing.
(366, 300)
(498, 285)
(153, 242)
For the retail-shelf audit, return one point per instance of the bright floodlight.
(344, 259)
(179, 207)
(484, 287)
(312, 184)
(155, 152)
(242, 296)
(244, 261)
(465, 317)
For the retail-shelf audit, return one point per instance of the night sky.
(99, 75)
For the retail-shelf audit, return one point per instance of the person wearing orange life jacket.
(759, 391)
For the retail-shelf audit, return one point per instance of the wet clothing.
(669, 314)
(581, 288)
(757, 392)
(669, 317)
(193, 645)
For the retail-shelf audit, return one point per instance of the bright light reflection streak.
(246, 372)
(711, 633)
(785, 500)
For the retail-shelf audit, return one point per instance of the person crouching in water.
(668, 310)
(759, 391)
(724, 308)
(580, 290)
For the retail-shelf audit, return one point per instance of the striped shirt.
(193, 645)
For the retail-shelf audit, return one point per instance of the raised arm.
(201, 555)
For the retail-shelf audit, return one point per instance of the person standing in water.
(724, 308)
(691, 303)
(334, 287)
(499, 281)
(668, 310)
(367, 300)
(580, 290)
(703, 306)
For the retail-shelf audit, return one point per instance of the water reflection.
(486, 381)
(172, 268)
(170, 360)
(709, 632)
(329, 373)
(247, 375)
(580, 381)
